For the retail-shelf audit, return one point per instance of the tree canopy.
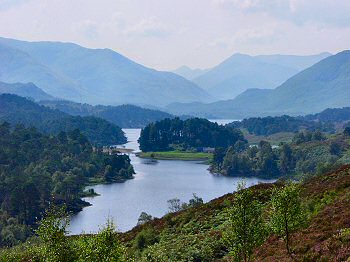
(18, 110)
(36, 169)
(170, 134)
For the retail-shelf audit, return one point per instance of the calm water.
(155, 182)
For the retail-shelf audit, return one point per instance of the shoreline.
(175, 155)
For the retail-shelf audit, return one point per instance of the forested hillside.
(264, 126)
(308, 153)
(18, 110)
(331, 115)
(125, 116)
(248, 224)
(37, 169)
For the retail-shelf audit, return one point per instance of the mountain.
(190, 73)
(126, 116)
(18, 110)
(331, 115)
(26, 90)
(95, 76)
(241, 72)
(323, 85)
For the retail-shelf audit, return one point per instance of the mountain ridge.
(95, 76)
(235, 74)
(326, 84)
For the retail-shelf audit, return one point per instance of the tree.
(287, 213)
(103, 246)
(286, 159)
(335, 148)
(52, 231)
(347, 131)
(144, 218)
(195, 201)
(218, 158)
(174, 205)
(246, 228)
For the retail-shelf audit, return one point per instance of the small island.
(177, 155)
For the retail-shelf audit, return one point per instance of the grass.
(176, 155)
(274, 139)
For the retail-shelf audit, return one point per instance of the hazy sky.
(165, 34)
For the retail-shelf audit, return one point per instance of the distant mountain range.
(323, 85)
(18, 110)
(241, 72)
(190, 73)
(126, 116)
(95, 76)
(26, 90)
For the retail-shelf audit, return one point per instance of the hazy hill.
(28, 90)
(331, 115)
(240, 72)
(126, 116)
(18, 66)
(18, 110)
(190, 73)
(96, 76)
(323, 85)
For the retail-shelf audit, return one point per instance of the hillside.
(95, 76)
(195, 234)
(234, 75)
(18, 110)
(28, 90)
(332, 115)
(125, 116)
(323, 85)
(190, 73)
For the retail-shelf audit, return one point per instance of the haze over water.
(155, 182)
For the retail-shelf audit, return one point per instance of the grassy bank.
(274, 139)
(176, 155)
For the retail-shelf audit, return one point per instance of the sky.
(166, 34)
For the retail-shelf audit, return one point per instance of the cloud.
(300, 12)
(150, 27)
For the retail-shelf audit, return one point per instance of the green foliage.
(303, 137)
(347, 131)
(126, 116)
(56, 246)
(169, 134)
(331, 115)
(245, 226)
(52, 230)
(315, 205)
(309, 153)
(145, 238)
(144, 218)
(103, 246)
(18, 110)
(36, 169)
(175, 204)
(257, 161)
(287, 213)
(183, 248)
(264, 126)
